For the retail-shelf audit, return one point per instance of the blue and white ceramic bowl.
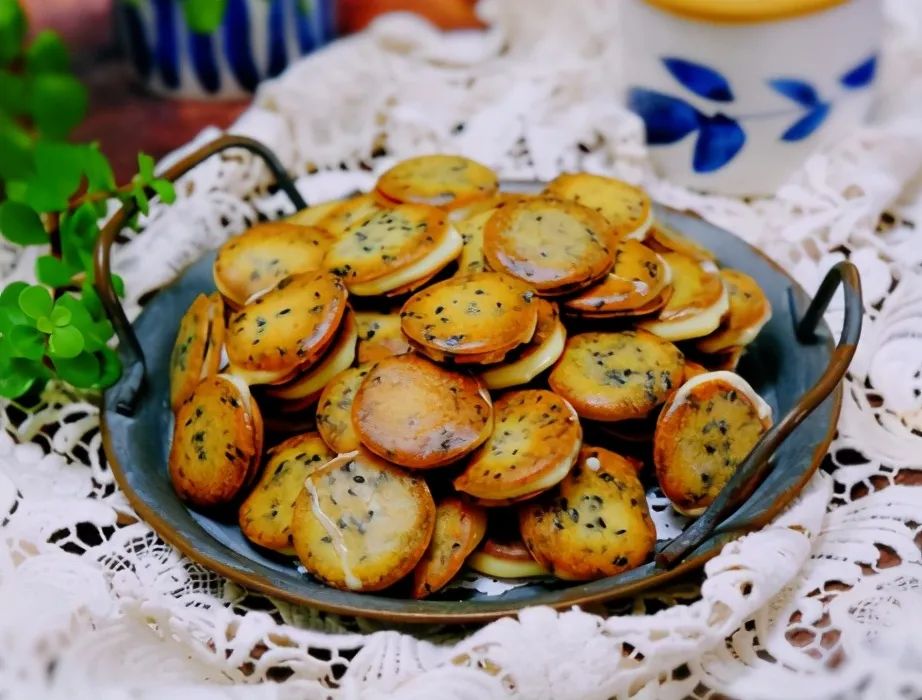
(257, 39)
(735, 96)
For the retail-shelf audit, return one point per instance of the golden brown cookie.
(635, 285)
(475, 318)
(749, 312)
(692, 369)
(703, 434)
(438, 180)
(459, 527)
(472, 258)
(314, 215)
(217, 442)
(698, 302)
(393, 248)
(535, 439)
(256, 260)
(530, 360)
(419, 415)
(287, 329)
(555, 246)
(506, 558)
(334, 409)
(667, 240)
(617, 376)
(197, 349)
(594, 524)
(380, 336)
(265, 514)
(349, 213)
(361, 524)
(339, 355)
(627, 209)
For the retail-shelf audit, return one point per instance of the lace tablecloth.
(826, 602)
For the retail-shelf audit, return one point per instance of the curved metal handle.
(130, 385)
(756, 465)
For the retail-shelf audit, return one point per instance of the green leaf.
(61, 315)
(9, 297)
(21, 225)
(58, 103)
(164, 190)
(99, 175)
(119, 285)
(56, 177)
(10, 313)
(140, 196)
(35, 301)
(98, 335)
(47, 54)
(53, 272)
(66, 343)
(45, 325)
(83, 371)
(12, 30)
(91, 301)
(81, 317)
(111, 368)
(203, 16)
(27, 342)
(15, 153)
(19, 375)
(14, 93)
(145, 168)
(79, 231)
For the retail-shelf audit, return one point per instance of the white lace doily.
(826, 602)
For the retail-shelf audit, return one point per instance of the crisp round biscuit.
(361, 524)
(626, 208)
(505, 559)
(196, 351)
(334, 409)
(287, 329)
(486, 313)
(530, 360)
(665, 239)
(557, 247)
(617, 376)
(637, 279)
(703, 434)
(256, 260)
(692, 370)
(595, 524)
(380, 336)
(349, 213)
(340, 354)
(749, 312)
(478, 206)
(438, 180)
(459, 527)
(265, 514)
(699, 300)
(472, 258)
(315, 214)
(535, 439)
(419, 415)
(217, 442)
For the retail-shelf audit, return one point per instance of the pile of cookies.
(453, 375)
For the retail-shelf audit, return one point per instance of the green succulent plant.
(53, 193)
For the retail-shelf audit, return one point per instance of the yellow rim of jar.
(743, 10)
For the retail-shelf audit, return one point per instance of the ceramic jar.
(256, 39)
(736, 94)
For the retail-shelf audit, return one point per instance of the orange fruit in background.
(445, 14)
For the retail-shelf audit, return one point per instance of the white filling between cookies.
(527, 368)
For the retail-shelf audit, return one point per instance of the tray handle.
(128, 389)
(757, 464)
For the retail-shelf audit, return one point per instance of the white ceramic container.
(736, 94)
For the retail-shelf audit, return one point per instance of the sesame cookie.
(338, 356)
(459, 527)
(349, 213)
(380, 336)
(265, 514)
(438, 180)
(505, 558)
(471, 319)
(314, 215)
(703, 434)
(393, 248)
(334, 409)
(197, 350)
(749, 311)
(286, 329)
(627, 209)
(530, 360)
(617, 376)
(635, 284)
(217, 442)
(361, 524)
(535, 439)
(417, 414)
(472, 258)
(665, 239)
(555, 246)
(594, 524)
(698, 302)
(256, 260)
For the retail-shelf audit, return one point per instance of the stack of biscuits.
(452, 376)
